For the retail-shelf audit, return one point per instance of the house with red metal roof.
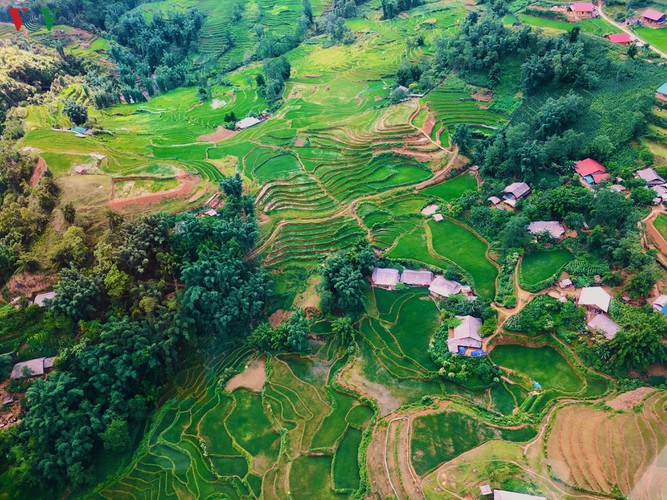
(653, 17)
(583, 9)
(619, 38)
(592, 171)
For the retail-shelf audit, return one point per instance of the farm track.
(624, 29)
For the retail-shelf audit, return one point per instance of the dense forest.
(124, 332)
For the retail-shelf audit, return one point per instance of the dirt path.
(441, 174)
(652, 233)
(187, 182)
(39, 170)
(624, 29)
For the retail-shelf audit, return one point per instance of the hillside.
(211, 209)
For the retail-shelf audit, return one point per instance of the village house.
(494, 200)
(660, 193)
(652, 17)
(660, 304)
(565, 283)
(554, 228)
(619, 38)
(650, 176)
(438, 217)
(416, 278)
(603, 324)
(41, 298)
(442, 288)
(583, 9)
(485, 489)
(248, 122)
(466, 335)
(592, 171)
(514, 192)
(595, 299)
(510, 495)
(661, 93)
(32, 367)
(618, 188)
(429, 209)
(385, 278)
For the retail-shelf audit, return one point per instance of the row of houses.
(438, 286)
(649, 17)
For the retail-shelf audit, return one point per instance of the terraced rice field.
(400, 335)
(207, 442)
(453, 105)
(599, 450)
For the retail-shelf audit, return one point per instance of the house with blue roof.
(661, 93)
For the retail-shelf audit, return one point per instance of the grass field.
(597, 26)
(542, 265)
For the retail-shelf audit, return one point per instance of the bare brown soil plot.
(187, 183)
(599, 450)
(253, 377)
(221, 134)
(628, 400)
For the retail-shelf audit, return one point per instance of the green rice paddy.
(542, 265)
(352, 173)
(451, 190)
(544, 365)
(464, 248)
(655, 37)
(596, 26)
